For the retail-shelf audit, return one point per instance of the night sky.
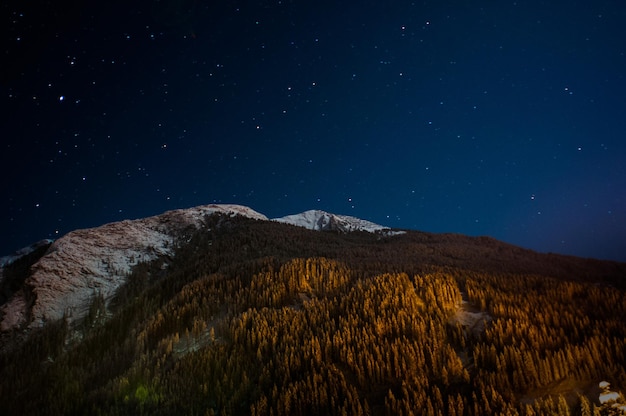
(504, 118)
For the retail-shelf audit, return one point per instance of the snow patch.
(613, 399)
(322, 221)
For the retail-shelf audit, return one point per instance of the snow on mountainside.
(321, 220)
(96, 261)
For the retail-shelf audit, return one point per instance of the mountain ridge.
(95, 261)
(319, 220)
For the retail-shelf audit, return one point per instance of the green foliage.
(268, 319)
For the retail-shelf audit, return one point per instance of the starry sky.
(504, 118)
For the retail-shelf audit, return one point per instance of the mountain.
(96, 261)
(218, 310)
(324, 221)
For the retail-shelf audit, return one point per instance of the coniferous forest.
(261, 318)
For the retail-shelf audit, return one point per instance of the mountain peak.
(324, 221)
(96, 261)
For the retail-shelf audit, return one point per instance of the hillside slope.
(96, 261)
(259, 317)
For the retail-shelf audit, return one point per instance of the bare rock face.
(97, 261)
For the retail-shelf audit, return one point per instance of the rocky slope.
(96, 261)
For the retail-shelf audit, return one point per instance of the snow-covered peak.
(322, 221)
(97, 261)
(197, 213)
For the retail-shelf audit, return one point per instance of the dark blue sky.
(505, 119)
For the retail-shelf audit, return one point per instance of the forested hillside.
(261, 318)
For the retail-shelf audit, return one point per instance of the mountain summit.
(325, 221)
(96, 262)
